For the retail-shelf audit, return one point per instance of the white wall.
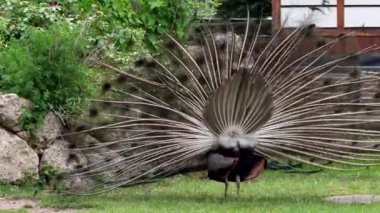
(362, 17)
(295, 17)
(305, 2)
(361, 2)
(327, 16)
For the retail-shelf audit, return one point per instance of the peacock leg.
(225, 188)
(238, 184)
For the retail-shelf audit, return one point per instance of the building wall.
(358, 18)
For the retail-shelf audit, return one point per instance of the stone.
(224, 38)
(78, 183)
(61, 157)
(65, 160)
(51, 130)
(11, 107)
(364, 199)
(53, 127)
(17, 159)
(24, 135)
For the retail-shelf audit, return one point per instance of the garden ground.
(275, 191)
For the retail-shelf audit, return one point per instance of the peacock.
(231, 107)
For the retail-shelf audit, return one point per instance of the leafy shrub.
(49, 177)
(47, 68)
(153, 17)
(130, 28)
(124, 30)
(21, 14)
(42, 52)
(3, 31)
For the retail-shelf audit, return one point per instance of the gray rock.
(365, 199)
(53, 127)
(66, 160)
(24, 135)
(78, 183)
(11, 107)
(59, 156)
(17, 159)
(50, 131)
(223, 38)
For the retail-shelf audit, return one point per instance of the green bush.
(21, 14)
(49, 178)
(109, 18)
(41, 52)
(47, 68)
(124, 30)
(153, 17)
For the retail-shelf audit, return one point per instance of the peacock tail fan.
(229, 104)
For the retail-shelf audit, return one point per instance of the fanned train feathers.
(243, 104)
(280, 105)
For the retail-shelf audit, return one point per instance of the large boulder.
(50, 131)
(61, 157)
(17, 159)
(11, 107)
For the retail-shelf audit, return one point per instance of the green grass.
(274, 192)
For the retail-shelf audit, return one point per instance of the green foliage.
(49, 177)
(238, 8)
(21, 14)
(42, 52)
(151, 18)
(159, 17)
(3, 31)
(120, 20)
(47, 68)
(28, 180)
(123, 30)
(207, 9)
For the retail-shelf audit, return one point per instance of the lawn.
(275, 191)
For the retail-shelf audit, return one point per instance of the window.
(361, 13)
(333, 16)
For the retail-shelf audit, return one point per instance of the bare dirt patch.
(30, 205)
(365, 199)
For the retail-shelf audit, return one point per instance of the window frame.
(340, 29)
